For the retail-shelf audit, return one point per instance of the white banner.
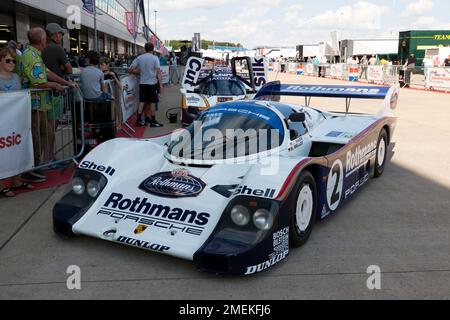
(165, 74)
(337, 70)
(129, 101)
(310, 69)
(353, 72)
(375, 73)
(292, 67)
(115, 92)
(259, 67)
(276, 67)
(191, 73)
(438, 77)
(16, 142)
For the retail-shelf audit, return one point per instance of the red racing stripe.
(290, 179)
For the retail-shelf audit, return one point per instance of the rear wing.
(274, 90)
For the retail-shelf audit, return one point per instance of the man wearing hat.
(53, 55)
(58, 64)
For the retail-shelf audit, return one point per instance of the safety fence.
(121, 71)
(167, 72)
(126, 100)
(39, 128)
(42, 128)
(431, 78)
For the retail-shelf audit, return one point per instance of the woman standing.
(10, 81)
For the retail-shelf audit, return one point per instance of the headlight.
(262, 219)
(93, 188)
(240, 215)
(78, 186)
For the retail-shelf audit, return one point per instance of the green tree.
(177, 44)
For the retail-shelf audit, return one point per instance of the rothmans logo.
(358, 156)
(176, 184)
(361, 90)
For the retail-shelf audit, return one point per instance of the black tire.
(382, 143)
(299, 236)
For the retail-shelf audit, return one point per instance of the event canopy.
(225, 48)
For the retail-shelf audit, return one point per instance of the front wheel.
(303, 210)
(382, 147)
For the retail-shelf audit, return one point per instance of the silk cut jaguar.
(240, 187)
(203, 88)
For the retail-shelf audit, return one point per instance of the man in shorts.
(33, 73)
(148, 67)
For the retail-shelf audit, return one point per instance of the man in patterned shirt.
(34, 75)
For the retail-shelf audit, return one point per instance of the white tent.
(213, 54)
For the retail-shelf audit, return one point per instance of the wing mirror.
(297, 117)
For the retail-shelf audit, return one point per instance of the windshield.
(223, 88)
(231, 131)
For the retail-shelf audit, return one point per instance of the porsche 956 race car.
(205, 86)
(240, 187)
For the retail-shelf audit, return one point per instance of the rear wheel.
(382, 148)
(303, 210)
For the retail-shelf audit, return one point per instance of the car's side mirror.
(297, 117)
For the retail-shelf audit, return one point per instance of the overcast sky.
(291, 22)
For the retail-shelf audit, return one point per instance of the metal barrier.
(276, 67)
(316, 70)
(115, 91)
(119, 100)
(310, 69)
(417, 77)
(363, 68)
(391, 74)
(325, 70)
(55, 121)
(120, 71)
(291, 67)
(439, 77)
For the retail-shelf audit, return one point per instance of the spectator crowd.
(43, 64)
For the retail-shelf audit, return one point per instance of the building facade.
(417, 42)
(18, 16)
(383, 48)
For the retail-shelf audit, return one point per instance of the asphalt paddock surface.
(399, 222)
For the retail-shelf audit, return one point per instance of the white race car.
(239, 187)
(204, 87)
